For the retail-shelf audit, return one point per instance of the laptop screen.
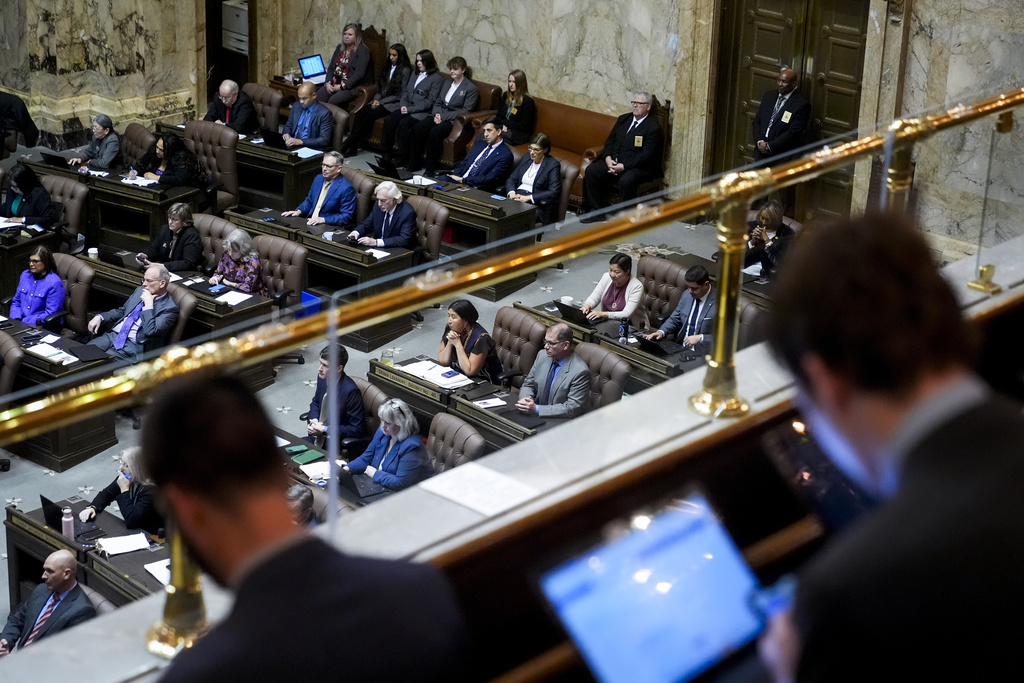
(312, 65)
(663, 602)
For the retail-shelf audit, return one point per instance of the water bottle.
(623, 331)
(67, 525)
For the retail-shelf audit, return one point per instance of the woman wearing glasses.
(396, 458)
(40, 291)
(27, 201)
(538, 180)
(240, 265)
(134, 494)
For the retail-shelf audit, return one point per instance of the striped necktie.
(51, 605)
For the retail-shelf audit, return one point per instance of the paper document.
(50, 338)
(100, 174)
(233, 298)
(175, 277)
(8, 224)
(52, 354)
(161, 570)
(434, 373)
(754, 270)
(490, 403)
(421, 180)
(378, 254)
(306, 152)
(115, 545)
(480, 489)
(281, 442)
(257, 141)
(317, 470)
(140, 181)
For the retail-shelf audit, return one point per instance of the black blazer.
(188, 250)
(35, 207)
(640, 148)
(547, 186)
(769, 255)
(784, 135)
(243, 114)
(389, 90)
(520, 123)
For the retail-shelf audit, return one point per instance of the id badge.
(787, 116)
(638, 140)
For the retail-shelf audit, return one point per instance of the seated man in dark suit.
(310, 124)
(391, 223)
(331, 200)
(558, 384)
(178, 246)
(56, 604)
(233, 108)
(693, 320)
(211, 451)
(631, 156)
(488, 164)
(351, 415)
(143, 323)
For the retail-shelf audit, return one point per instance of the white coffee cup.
(567, 300)
(94, 252)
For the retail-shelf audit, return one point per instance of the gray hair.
(239, 240)
(336, 156)
(391, 189)
(132, 457)
(397, 412)
(232, 86)
(161, 272)
(182, 212)
(648, 98)
(103, 121)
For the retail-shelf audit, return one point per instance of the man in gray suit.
(693, 321)
(559, 383)
(143, 323)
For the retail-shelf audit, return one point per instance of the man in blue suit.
(351, 415)
(310, 124)
(488, 164)
(331, 200)
(143, 323)
(391, 223)
(693, 321)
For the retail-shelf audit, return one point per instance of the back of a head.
(866, 297)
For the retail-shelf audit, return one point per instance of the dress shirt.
(451, 91)
(529, 177)
(138, 321)
(780, 105)
(388, 217)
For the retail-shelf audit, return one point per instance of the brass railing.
(726, 198)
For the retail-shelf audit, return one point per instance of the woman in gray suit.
(416, 101)
(427, 135)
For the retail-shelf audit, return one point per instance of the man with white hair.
(392, 223)
(233, 108)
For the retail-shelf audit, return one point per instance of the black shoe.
(592, 218)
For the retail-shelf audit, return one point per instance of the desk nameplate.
(254, 221)
(50, 538)
(123, 582)
(342, 250)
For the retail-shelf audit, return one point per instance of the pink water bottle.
(67, 525)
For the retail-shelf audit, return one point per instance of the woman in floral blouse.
(240, 266)
(348, 69)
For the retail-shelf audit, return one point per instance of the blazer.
(547, 186)
(243, 114)
(769, 255)
(634, 292)
(35, 299)
(321, 125)
(137, 505)
(391, 88)
(401, 232)
(339, 205)
(351, 413)
(187, 253)
(73, 609)
(100, 155)
(624, 147)
(784, 135)
(419, 100)
(705, 326)
(358, 67)
(491, 172)
(35, 207)
(155, 324)
(464, 100)
(570, 392)
(14, 114)
(406, 464)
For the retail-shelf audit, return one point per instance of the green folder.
(307, 457)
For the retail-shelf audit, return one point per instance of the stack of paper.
(139, 181)
(101, 174)
(317, 470)
(233, 298)
(115, 545)
(435, 374)
(306, 152)
(52, 353)
(378, 254)
(161, 569)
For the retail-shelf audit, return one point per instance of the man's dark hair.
(493, 120)
(325, 354)
(562, 332)
(210, 435)
(698, 275)
(866, 296)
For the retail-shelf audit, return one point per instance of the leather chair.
(3, 176)
(187, 303)
(136, 140)
(518, 338)
(73, 195)
(9, 142)
(786, 220)
(212, 231)
(100, 602)
(366, 192)
(431, 219)
(215, 146)
(284, 269)
(77, 276)
(267, 103)
(341, 124)
(11, 356)
(753, 322)
(451, 442)
(664, 283)
(608, 373)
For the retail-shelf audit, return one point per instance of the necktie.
(691, 322)
(174, 241)
(42, 620)
(479, 159)
(631, 127)
(546, 395)
(227, 114)
(303, 127)
(320, 200)
(775, 112)
(129, 321)
(387, 224)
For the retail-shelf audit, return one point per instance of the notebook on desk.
(53, 514)
(313, 70)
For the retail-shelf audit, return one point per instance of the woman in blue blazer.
(396, 458)
(538, 180)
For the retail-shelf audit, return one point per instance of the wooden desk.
(14, 253)
(350, 500)
(425, 399)
(500, 429)
(123, 578)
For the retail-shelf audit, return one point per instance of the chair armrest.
(364, 96)
(281, 297)
(352, 445)
(477, 120)
(55, 317)
(304, 417)
(508, 374)
(591, 153)
(7, 301)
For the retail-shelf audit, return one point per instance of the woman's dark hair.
(359, 33)
(25, 178)
(173, 145)
(460, 63)
(543, 141)
(46, 257)
(429, 62)
(465, 310)
(623, 261)
(403, 55)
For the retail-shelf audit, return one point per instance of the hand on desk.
(594, 316)
(370, 471)
(692, 340)
(319, 220)
(87, 514)
(526, 405)
(95, 324)
(293, 212)
(457, 178)
(142, 259)
(151, 176)
(216, 279)
(289, 141)
(367, 241)
(656, 335)
(77, 161)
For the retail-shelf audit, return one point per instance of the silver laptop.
(313, 70)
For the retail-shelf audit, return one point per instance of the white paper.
(421, 180)
(2, 318)
(115, 545)
(378, 254)
(281, 441)
(480, 489)
(490, 403)
(432, 372)
(233, 298)
(241, 136)
(181, 125)
(754, 270)
(316, 470)
(257, 141)
(175, 277)
(101, 174)
(8, 224)
(140, 181)
(161, 570)
(50, 338)
(52, 353)
(306, 152)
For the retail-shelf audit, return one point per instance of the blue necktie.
(303, 127)
(479, 159)
(546, 396)
(691, 324)
(129, 321)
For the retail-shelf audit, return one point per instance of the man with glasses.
(559, 381)
(143, 323)
(233, 108)
(310, 124)
(631, 156)
(391, 223)
(331, 201)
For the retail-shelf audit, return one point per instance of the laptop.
(388, 169)
(54, 514)
(661, 598)
(662, 347)
(360, 484)
(313, 70)
(114, 257)
(54, 160)
(271, 138)
(572, 314)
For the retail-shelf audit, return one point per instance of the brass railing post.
(899, 176)
(184, 611)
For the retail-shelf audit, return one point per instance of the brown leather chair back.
(77, 276)
(786, 220)
(267, 103)
(570, 172)
(365, 189)
(100, 602)
(451, 442)
(664, 283)
(73, 195)
(215, 146)
(3, 176)
(431, 219)
(10, 142)
(518, 338)
(187, 302)
(212, 231)
(284, 266)
(136, 140)
(373, 399)
(11, 356)
(340, 125)
(753, 322)
(608, 373)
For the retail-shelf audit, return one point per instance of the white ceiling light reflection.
(641, 522)
(642, 575)
(663, 587)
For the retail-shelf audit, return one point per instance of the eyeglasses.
(534, 148)
(147, 281)
(329, 166)
(35, 260)
(225, 98)
(638, 104)
(548, 342)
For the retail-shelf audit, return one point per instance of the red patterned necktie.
(42, 620)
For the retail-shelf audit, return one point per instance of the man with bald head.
(781, 122)
(143, 323)
(310, 124)
(559, 381)
(233, 108)
(55, 604)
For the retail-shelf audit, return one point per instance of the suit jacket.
(520, 123)
(547, 186)
(419, 100)
(705, 326)
(243, 114)
(784, 135)
(100, 155)
(391, 87)
(35, 207)
(464, 100)
(769, 255)
(321, 125)
(14, 114)
(155, 325)
(339, 205)
(73, 609)
(406, 464)
(137, 505)
(187, 253)
(570, 392)
(947, 549)
(622, 146)
(401, 232)
(491, 172)
(351, 413)
(323, 596)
